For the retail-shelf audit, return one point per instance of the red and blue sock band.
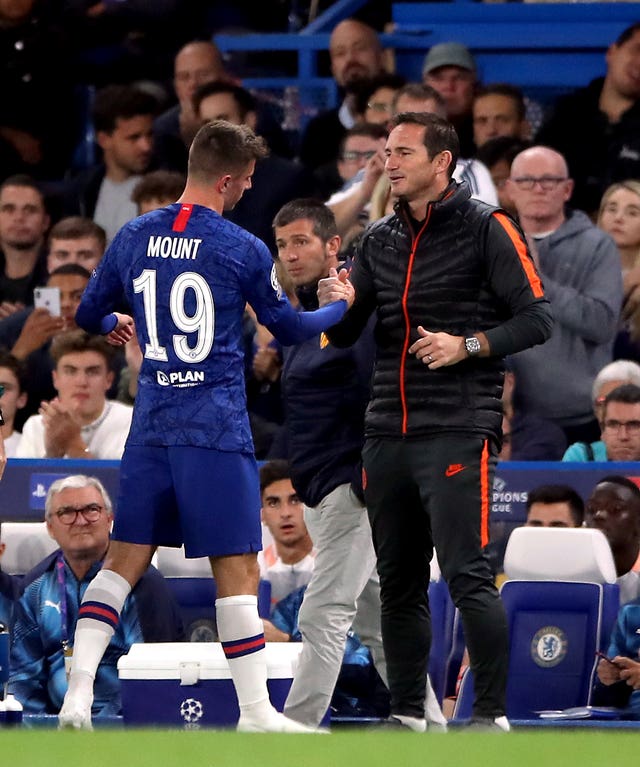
(241, 647)
(99, 611)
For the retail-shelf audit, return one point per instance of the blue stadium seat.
(556, 626)
(194, 589)
(444, 622)
(196, 598)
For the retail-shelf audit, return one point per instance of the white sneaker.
(75, 713)
(276, 722)
(498, 724)
(503, 723)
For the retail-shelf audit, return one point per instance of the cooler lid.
(191, 661)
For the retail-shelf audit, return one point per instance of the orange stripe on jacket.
(521, 248)
(484, 495)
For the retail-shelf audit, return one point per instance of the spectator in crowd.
(530, 436)
(356, 55)
(358, 145)
(13, 397)
(374, 98)
(619, 216)
(275, 181)
(580, 268)
(288, 562)
(554, 506)
(123, 120)
(157, 189)
(597, 128)
(79, 515)
(129, 40)
(28, 333)
(23, 224)
(620, 671)
(451, 69)
(620, 429)
(196, 63)
(38, 122)
(80, 422)
(75, 240)
(614, 508)
(497, 154)
(499, 110)
(612, 376)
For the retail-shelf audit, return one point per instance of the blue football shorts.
(207, 499)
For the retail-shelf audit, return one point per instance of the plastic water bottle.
(4, 659)
(12, 711)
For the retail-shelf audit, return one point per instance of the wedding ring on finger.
(430, 358)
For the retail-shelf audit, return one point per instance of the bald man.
(356, 54)
(580, 268)
(195, 63)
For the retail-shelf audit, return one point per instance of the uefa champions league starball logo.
(191, 711)
(275, 282)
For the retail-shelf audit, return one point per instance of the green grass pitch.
(355, 748)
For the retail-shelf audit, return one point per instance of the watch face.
(472, 345)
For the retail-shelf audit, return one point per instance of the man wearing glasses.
(79, 515)
(620, 430)
(580, 268)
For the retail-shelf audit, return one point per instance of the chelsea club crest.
(549, 646)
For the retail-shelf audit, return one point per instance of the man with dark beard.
(23, 224)
(356, 55)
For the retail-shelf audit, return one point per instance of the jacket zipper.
(405, 311)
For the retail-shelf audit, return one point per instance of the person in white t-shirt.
(80, 422)
(287, 562)
(13, 397)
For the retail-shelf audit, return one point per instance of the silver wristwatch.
(472, 345)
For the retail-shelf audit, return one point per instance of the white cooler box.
(188, 684)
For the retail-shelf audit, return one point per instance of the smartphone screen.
(47, 298)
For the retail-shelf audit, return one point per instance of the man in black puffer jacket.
(454, 290)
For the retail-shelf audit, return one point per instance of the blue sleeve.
(624, 639)
(294, 327)
(285, 614)
(575, 453)
(28, 680)
(104, 290)
(263, 291)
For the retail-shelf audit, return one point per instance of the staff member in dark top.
(454, 290)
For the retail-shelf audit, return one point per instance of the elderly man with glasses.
(620, 424)
(79, 515)
(580, 269)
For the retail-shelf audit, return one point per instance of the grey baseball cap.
(448, 55)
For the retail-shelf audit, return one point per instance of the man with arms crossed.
(454, 290)
(188, 273)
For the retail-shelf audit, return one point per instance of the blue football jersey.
(187, 274)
